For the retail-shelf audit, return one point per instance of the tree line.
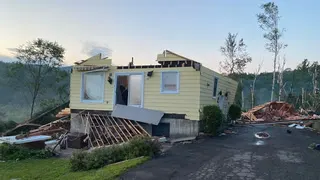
(237, 58)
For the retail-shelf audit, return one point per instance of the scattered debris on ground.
(261, 135)
(314, 146)
(34, 142)
(276, 111)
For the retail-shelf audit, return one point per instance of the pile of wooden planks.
(104, 130)
(58, 126)
(271, 111)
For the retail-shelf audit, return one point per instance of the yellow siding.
(97, 60)
(185, 102)
(169, 57)
(225, 84)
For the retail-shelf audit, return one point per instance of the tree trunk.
(315, 82)
(302, 96)
(242, 95)
(252, 98)
(32, 107)
(280, 92)
(274, 74)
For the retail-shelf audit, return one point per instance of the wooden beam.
(134, 127)
(108, 126)
(107, 130)
(96, 129)
(116, 129)
(92, 132)
(101, 125)
(142, 128)
(131, 128)
(119, 127)
(120, 120)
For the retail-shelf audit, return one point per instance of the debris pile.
(58, 126)
(63, 113)
(106, 130)
(275, 111)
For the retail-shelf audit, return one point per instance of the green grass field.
(60, 169)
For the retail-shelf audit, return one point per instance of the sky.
(144, 28)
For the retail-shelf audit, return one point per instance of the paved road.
(282, 156)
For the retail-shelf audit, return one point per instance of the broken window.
(93, 87)
(215, 87)
(169, 82)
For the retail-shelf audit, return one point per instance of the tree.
(313, 69)
(256, 74)
(280, 76)
(236, 56)
(269, 22)
(39, 59)
(304, 66)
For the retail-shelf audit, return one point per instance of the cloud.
(5, 58)
(93, 48)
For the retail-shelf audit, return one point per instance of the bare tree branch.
(236, 56)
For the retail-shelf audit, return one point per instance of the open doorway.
(122, 90)
(129, 89)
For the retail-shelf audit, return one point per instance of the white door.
(135, 97)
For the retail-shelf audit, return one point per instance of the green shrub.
(212, 118)
(98, 158)
(78, 161)
(14, 152)
(234, 112)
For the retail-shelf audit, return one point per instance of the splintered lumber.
(108, 130)
(274, 111)
(64, 112)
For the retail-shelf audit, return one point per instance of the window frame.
(214, 96)
(162, 91)
(82, 87)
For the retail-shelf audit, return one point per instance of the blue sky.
(144, 28)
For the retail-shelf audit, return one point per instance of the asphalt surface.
(240, 156)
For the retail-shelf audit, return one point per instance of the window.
(169, 82)
(215, 87)
(92, 87)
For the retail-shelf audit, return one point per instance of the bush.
(14, 152)
(234, 112)
(98, 158)
(212, 118)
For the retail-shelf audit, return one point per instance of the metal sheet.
(137, 114)
(13, 140)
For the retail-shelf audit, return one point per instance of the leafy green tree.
(39, 59)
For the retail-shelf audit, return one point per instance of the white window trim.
(178, 83)
(214, 97)
(103, 89)
(127, 74)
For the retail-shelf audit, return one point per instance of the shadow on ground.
(239, 156)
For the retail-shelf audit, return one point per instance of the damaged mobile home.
(164, 99)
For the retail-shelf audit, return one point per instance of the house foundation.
(171, 127)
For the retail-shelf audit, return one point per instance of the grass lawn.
(60, 169)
